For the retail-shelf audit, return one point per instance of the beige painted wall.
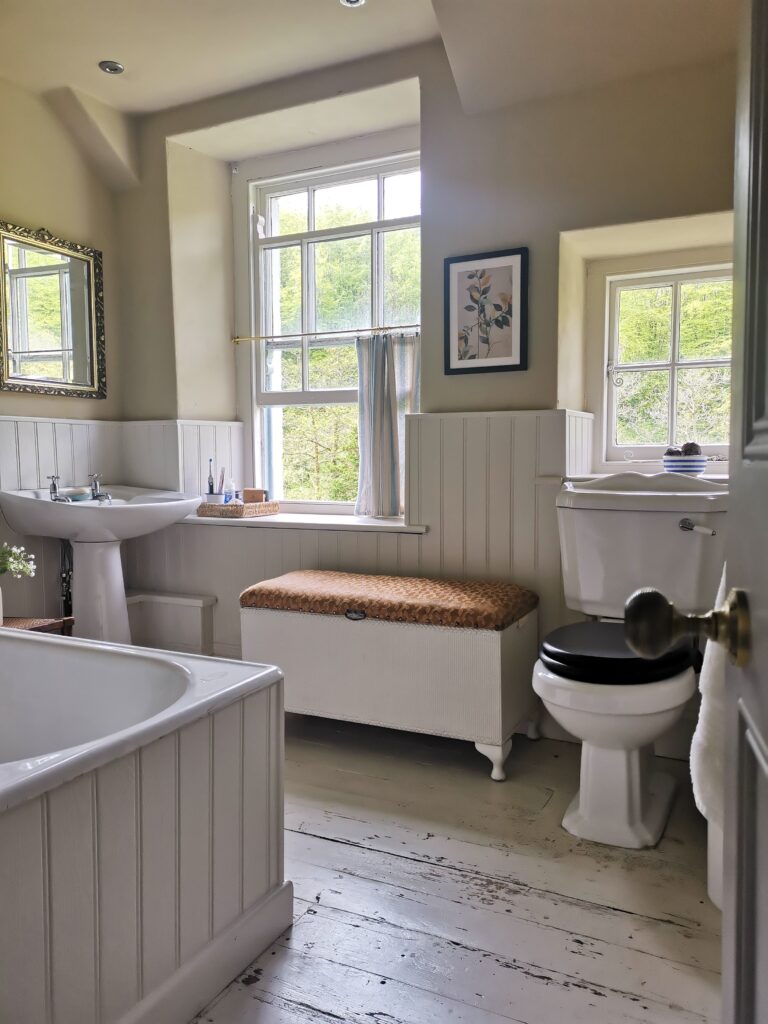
(200, 209)
(643, 149)
(45, 181)
(647, 148)
(150, 377)
(148, 380)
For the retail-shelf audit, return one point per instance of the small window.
(668, 372)
(334, 255)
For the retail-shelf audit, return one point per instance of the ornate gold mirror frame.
(91, 341)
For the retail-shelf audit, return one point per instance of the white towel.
(708, 746)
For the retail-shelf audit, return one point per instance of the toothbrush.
(221, 482)
(210, 476)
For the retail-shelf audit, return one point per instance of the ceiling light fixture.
(111, 67)
(351, 3)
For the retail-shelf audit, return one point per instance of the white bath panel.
(139, 887)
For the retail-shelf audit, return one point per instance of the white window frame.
(596, 314)
(613, 368)
(260, 194)
(19, 338)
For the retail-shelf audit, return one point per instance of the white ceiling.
(507, 51)
(342, 117)
(501, 51)
(175, 51)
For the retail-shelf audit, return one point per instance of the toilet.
(619, 533)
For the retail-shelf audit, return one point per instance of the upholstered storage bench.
(435, 656)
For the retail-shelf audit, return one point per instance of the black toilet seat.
(596, 652)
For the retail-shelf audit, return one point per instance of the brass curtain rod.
(324, 334)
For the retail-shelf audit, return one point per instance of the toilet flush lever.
(652, 625)
(689, 526)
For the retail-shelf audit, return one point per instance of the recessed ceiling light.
(111, 67)
(351, 3)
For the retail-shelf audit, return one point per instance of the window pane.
(703, 405)
(402, 277)
(706, 308)
(282, 370)
(313, 452)
(343, 284)
(645, 324)
(282, 290)
(25, 255)
(26, 365)
(355, 202)
(402, 194)
(288, 215)
(332, 366)
(44, 313)
(642, 407)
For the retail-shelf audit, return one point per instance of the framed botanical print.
(486, 312)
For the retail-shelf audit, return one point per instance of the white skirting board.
(472, 684)
(190, 988)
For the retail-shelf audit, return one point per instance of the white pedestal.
(621, 801)
(98, 593)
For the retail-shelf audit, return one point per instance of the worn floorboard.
(427, 894)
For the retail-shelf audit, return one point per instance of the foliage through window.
(40, 318)
(668, 376)
(333, 254)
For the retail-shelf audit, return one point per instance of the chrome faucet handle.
(54, 490)
(94, 476)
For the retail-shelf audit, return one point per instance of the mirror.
(51, 315)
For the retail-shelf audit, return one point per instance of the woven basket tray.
(231, 511)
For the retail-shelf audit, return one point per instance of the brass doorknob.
(652, 625)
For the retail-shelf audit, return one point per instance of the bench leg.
(497, 756)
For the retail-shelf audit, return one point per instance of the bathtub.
(141, 862)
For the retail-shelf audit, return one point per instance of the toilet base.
(622, 801)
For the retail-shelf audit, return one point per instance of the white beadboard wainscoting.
(114, 882)
(483, 484)
(171, 454)
(174, 453)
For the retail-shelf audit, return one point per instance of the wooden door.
(745, 920)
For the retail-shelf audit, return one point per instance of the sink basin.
(134, 511)
(96, 530)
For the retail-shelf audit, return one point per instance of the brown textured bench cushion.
(463, 604)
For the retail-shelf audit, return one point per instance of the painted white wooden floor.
(427, 894)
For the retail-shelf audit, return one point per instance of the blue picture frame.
(486, 312)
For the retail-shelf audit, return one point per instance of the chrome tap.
(96, 492)
(54, 490)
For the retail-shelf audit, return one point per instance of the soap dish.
(75, 493)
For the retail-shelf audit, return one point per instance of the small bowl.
(693, 465)
(213, 499)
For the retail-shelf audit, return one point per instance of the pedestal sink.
(95, 530)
